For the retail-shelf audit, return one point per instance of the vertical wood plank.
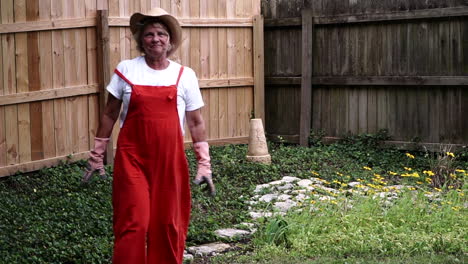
(45, 72)
(22, 82)
(3, 148)
(222, 72)
(62, 138)
(306, 79)
(258, 68)
(103, 66)
(9, 87)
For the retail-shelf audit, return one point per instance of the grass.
(50, 217)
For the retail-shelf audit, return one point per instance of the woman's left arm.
(196, 126)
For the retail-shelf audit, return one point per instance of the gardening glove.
(204, 174)
(95, 161)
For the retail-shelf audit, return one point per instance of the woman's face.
(155, 40)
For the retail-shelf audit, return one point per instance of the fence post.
(306, 79)
(259, 73)
(103, 62)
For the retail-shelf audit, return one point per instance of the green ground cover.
(50, 217)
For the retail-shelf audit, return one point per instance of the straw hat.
(169, 20)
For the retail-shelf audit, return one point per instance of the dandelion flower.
(367, 168)
(408, 169)
(450, 154)
(428, 172)
(409, 156)
(458, 170)
(392, 173)
(437, 189)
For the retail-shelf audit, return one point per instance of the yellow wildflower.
(367, 168)
(339, 174)
(411, 188)
(409, 156)
(418, 182)
(458, 170)
(450, 154)
(456, 208)
(408, 169)
(315, 173)
(392, 173)
(429, 180)
(437, 189)
(428, 172)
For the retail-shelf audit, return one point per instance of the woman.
(151, 195)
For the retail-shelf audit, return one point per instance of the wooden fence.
(357, 66)
(57, 56)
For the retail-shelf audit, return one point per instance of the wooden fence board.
(45, 73)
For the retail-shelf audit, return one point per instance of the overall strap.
(123, 77)
(180, 74)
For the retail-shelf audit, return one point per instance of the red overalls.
(151, 191)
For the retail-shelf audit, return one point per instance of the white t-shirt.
(139, 73)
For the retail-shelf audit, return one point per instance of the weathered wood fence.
(357, 66)
(56, 57)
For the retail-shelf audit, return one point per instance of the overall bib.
(151, 191)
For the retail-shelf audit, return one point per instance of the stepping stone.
(231, 233)
(256, 215)
(209, 249)
(261, 187)
(285, 206)
(287, 186)
(304, 183)
(290, 179)
(188, 258)
(268, 198)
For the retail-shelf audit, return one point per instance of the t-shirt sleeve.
(192, 94)
(116, 86)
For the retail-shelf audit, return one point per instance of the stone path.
(278, 197)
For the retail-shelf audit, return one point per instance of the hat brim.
(171, 22)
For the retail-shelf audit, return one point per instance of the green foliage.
(275, 232)
(413, 226)
(50, 217)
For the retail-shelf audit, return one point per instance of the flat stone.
(208, 249)
(290, 179)
(301, 191)
(285, 206)
(261, 187)
(188, 258)
(287, 186)
(316, 181)
(300, 197)
(268, 198)
(284, 197)
(256, 215)
(276, 182)
(231, 233)
(304, 183)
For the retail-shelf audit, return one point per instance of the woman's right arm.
(109, 117)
